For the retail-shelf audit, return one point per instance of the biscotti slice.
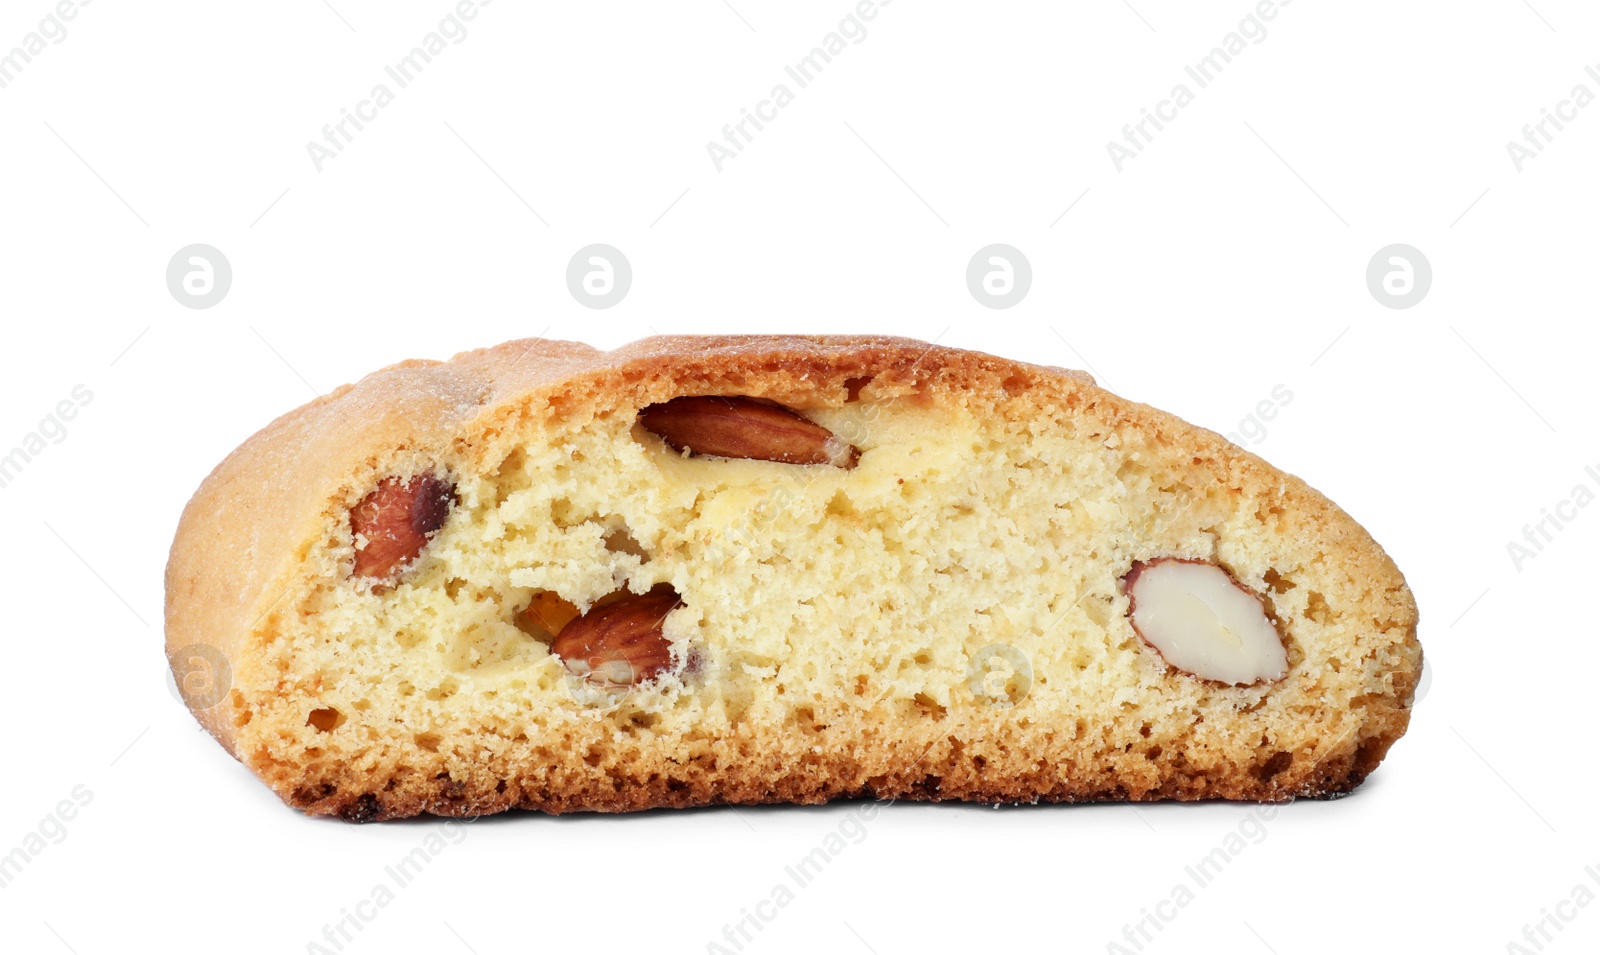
(774, 569)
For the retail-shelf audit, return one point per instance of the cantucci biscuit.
(774, 569)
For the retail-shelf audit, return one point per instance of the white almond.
(1204, 622)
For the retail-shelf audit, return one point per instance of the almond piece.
(548, 612)
(620, 644)
(1204, 622)
(395, 521)
(738, 427)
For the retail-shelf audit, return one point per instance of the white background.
(1227, 259)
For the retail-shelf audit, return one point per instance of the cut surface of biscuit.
(776, 569)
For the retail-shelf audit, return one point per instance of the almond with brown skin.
(1202, 621)
(739, 427)
(620, 644)
(395, 521)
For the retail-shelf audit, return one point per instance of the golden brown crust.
(236, 568)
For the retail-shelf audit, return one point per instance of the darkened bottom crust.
(825, 779)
